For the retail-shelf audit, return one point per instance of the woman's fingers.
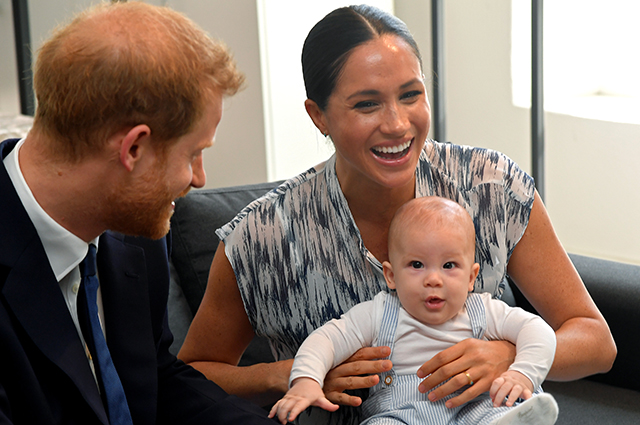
(359, 371)
(472, 362)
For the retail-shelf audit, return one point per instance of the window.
(591, 63)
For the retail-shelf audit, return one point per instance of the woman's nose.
(396, 122)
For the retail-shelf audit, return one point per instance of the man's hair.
(123, 64)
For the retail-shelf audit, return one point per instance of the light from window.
(591, 60)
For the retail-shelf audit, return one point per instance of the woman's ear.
(316, 115)
(132, 145)
(387, 270)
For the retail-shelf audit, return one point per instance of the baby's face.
(432, 271)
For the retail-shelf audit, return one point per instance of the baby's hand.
(303, 393)
(510, 384)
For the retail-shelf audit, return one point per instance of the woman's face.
(378, 115)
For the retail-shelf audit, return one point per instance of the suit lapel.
(34, 296)
(124, 286)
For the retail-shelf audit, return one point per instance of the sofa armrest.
(615, 288)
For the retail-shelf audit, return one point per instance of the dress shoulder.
(473, 166)
(263, 206)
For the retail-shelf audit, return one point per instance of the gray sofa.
(611, 398)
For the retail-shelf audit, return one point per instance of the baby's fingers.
(495, 386)
(288, 409)
(500, 389)
(275, 410)
(325, 404)
(516, 393)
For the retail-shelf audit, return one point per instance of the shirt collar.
(64, 249)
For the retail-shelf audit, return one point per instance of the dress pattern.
(300, 261)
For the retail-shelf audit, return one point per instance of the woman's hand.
(358, 371)
(472, 362)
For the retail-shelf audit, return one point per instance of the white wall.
(592, 176)
(238, 156)
(293, 142)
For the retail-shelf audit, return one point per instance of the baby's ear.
(388, 274)
(475, 269)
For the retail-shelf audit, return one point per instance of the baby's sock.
(538, 410)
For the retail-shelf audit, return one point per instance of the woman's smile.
(392, 152)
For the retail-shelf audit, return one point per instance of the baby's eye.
(417, 264)
(449, 265)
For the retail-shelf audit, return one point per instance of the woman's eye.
(365, 104)
(416, 265)
(412, 94)
(449, 265)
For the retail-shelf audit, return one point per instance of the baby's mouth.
(434, 302)
(394, 152)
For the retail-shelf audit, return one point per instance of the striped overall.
(396, 399)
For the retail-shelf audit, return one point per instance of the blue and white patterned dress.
(300, 261)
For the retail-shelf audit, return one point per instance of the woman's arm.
(219, 334)
(545, 275)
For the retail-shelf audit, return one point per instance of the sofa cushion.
(197, 217)
(193, 227)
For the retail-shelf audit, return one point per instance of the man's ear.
(316, 115)
(387, 270)
(133, 144)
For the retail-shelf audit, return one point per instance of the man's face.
(145, 207)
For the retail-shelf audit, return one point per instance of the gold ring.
(470, 380)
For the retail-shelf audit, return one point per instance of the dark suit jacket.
(44, 374)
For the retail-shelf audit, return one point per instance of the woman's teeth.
(394, 149)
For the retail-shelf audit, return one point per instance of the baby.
(431, 272)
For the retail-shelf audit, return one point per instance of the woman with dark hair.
(311, 249)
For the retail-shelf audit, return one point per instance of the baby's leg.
(383, 421)
(538, 410)
(480, 411)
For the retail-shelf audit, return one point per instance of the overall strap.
(389, 324)
(477, 315)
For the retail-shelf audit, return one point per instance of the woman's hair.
(124, 64)
(330, 41)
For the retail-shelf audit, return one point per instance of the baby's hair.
(427, 211)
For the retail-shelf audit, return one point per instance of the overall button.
(388, 379)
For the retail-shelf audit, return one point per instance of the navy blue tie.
(117, 407)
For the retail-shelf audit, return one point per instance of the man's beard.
(144, 209)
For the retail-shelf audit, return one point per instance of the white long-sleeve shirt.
(416, 342)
